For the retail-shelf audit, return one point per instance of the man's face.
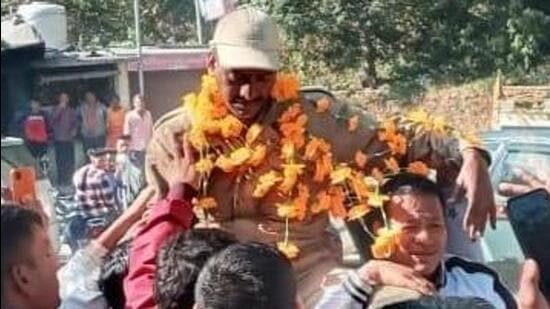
(139, 103)
(90, 98)
(110, 162)
(63, 100)
(423, 239)
(115, 103)
(123, 146)
(245, 92)
(43, 288)
(99, 162)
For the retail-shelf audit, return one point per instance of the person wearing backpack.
(36, 130)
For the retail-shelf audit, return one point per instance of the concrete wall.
(164, 89)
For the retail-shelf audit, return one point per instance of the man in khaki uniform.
(244, 61)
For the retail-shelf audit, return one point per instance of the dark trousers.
(92, 143)
(65, 161)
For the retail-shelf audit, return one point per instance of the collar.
(440, 278)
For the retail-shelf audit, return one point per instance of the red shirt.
(168, 217)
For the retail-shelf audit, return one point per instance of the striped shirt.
(459, 278)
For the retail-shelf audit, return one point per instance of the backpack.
(35, 128)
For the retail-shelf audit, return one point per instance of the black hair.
(406, 183)
(125, 137)
(180, 261)
(250, 275)
(443, 303)
(114, 97)
(17, 226)
(113, 272)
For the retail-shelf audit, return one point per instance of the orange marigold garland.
(345, 191)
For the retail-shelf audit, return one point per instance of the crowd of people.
(154, 250)
(93, 124)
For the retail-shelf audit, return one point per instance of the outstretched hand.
(525, 182)
(474, 183)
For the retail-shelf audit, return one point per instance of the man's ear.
(211, 61)
(21, 277)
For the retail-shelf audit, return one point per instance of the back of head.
(180, 262)
(17, 226)
(443, 303)
(248, 275)
(113, 272)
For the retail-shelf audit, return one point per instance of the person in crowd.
(248, 275)
(64, 124)
(129, 176)
(170, 216)
(95, 197)
(245, 72)
(113, 272)
(115, 121)
(81, 285)
(180, 261)
(36, 130)
(139, 126)
(29, 263)
(416, 210)
(93, 116)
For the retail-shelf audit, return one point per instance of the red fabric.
(36, 129)
(168, 217)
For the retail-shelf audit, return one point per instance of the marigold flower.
(231, 127)
(323, 202)
(340, 175)
(287, 210)
(361, 159)
(323, 167)
(377, 200)
(253, 133)
(240, 156)
(204, 165)
(289, 249)
(291, 113)
(290, 176)
(258, 156)
(353, 123)
(386, 243)
(286, 88)
(301, 202)
(337, 198)
(392, 165)
(315, 147)
(419, 168)
(323, 105)
(225, 164)
(358, 212)
(288, 151)
(398, 144)
(197, 138)
(360, 187)
(207, 203)
(265, 183)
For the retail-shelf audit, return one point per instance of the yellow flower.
(340, 175)
(301, 201)
(293, 132)
(240, 156)
(358, 212)
(286, 210)
(323, 167)
(207, 203)
(258, 156)
(439, 126)
(378, 200)
(204, 165)
(360, 187)
(265, 183)
(253, 133)
(419, 116)
(290, 176)
(286, 88)
(231, 127)
(386, 243)
(361, 159)
(353, 123)
(323, 105)
(197, 138)
(392, 165)
(419, 168)
(291, 113)
(287, 151)
(225, 164)
(289, 249)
